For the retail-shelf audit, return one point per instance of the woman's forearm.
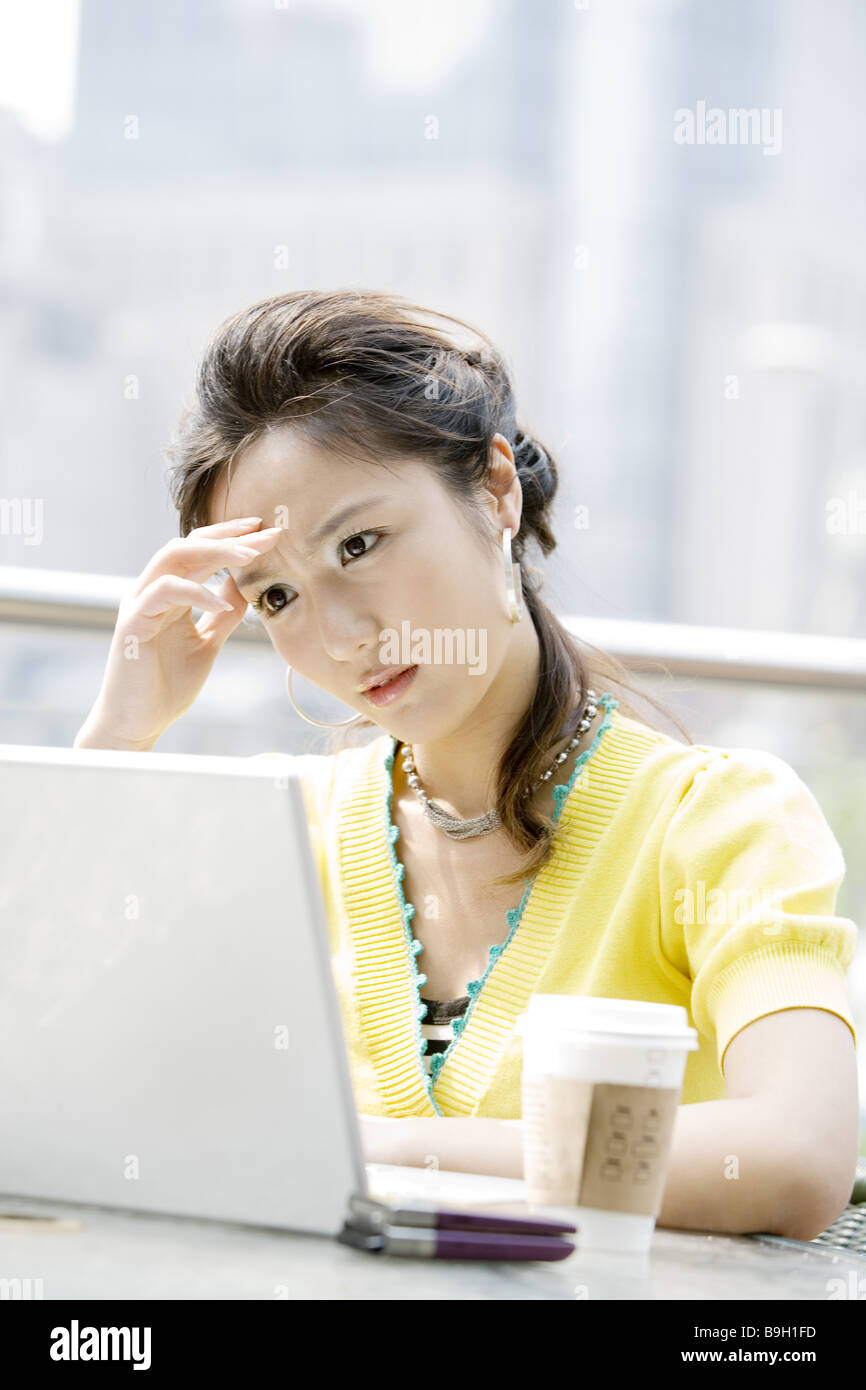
(724, 1171)
(459, 1143)
(727, 1171)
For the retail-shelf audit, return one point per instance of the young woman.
(354, 463)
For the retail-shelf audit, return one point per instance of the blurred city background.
(686, 319)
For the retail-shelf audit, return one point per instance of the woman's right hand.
(159, 658)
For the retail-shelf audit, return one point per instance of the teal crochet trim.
(513, 916)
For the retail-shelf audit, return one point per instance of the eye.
(357, 536)
(260, 600)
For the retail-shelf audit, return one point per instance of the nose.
(345, 634)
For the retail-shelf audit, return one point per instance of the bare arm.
(466, 1145)
(724, 1172)
(798, 1067)
(748, 1163)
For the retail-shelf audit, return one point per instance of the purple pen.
(472, 1245)
(374, 1215)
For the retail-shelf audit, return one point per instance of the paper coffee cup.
(602, 1081)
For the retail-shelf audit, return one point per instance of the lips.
(392, 689)
(382, 677)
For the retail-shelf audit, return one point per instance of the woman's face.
(398, 564)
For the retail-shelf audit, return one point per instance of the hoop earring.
(513, 585)
(322, 724)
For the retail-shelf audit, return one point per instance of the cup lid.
(594, 1014)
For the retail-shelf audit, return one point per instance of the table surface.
(106, 1253)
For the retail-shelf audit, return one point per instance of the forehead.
(284, 475)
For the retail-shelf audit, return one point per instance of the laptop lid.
(170, 1035)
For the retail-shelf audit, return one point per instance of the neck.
(459, 772)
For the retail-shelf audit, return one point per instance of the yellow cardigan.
(681, 873)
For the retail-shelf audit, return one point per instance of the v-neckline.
(388, 982)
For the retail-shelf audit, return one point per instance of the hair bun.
(531, 459)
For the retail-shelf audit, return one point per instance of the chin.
(416, 727)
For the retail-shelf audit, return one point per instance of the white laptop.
(170, 1036)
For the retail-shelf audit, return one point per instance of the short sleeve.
(749, 873)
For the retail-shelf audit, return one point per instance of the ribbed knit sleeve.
(749, 874)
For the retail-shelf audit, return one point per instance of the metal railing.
(66, 600)
(69, 600)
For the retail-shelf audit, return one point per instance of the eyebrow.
(333, 523)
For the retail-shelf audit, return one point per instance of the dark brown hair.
(371, 375)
